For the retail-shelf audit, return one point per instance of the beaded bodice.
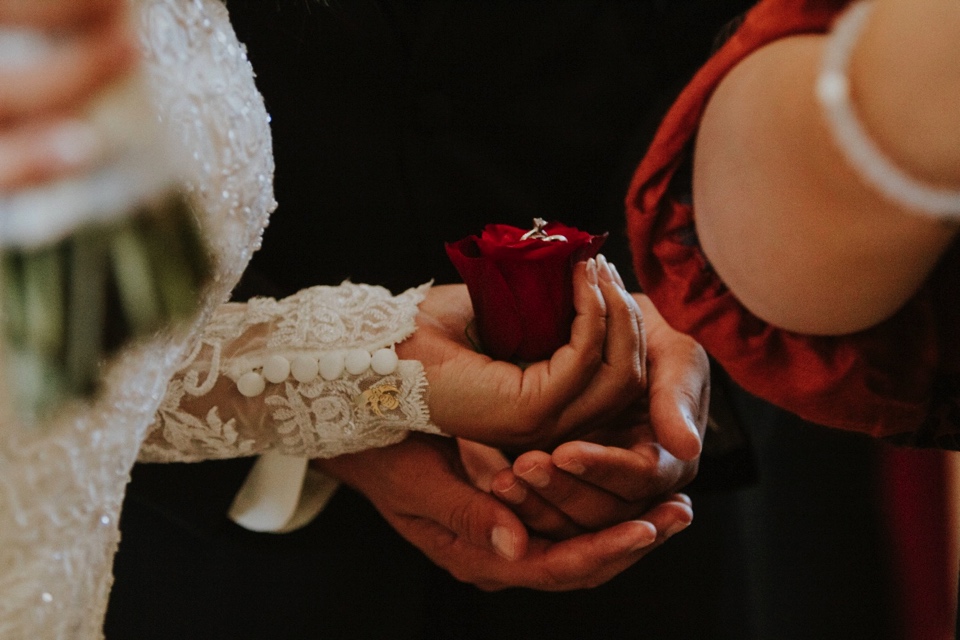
(310, 375)
(61, 486)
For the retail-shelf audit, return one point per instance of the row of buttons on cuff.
(329, 366)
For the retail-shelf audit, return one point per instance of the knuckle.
(460, 517)
(687, 396)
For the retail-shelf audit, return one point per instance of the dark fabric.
(399, 126)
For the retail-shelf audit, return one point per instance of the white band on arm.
(853, 141)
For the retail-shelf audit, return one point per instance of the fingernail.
(616, 275)
(515, 493)
(604, 268)
(573, 466)
(646, 537)
(536, 477)
(74, 143)
(592, 271)
(503, 542)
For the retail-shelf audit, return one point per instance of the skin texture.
(788, 226)
(589, 381)
(622, 469)
(41, 135)
(606, 501)
(421, 488)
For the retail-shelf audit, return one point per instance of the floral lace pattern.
(203, 416)
(61, 487)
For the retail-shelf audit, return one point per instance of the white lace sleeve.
(310, 375)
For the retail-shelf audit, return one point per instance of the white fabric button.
(251, 384)
(276, 369)
(384, 361)
(304, 368)
(331, 365)
(357, 361)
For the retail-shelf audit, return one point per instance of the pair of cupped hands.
(602, 434)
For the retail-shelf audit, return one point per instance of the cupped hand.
(587, 382)
(649, 451)
(421, 488)
(86, 45)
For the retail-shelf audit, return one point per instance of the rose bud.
(521, 285)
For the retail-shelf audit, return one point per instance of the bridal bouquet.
(521, 285)
(90, 262)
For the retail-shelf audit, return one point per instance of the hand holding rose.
(619, 471)
(603, 507)
(585, 383)
(520, 284)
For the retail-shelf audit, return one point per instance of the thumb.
(679, 386)
(479, 518)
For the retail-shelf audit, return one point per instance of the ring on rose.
(538, 232)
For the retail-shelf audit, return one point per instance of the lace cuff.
(204, 414)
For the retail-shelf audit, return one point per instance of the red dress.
(898, 379)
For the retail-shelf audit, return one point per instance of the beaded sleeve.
(310, 375)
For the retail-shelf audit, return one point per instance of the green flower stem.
(87, 309)
(56, 308)
(178, 281)
(131, 271)
(43, 290)
(12, 308)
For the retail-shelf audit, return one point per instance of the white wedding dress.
(61, 486)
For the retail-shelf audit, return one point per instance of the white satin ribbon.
(281, 493)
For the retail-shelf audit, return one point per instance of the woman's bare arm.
(795, 233)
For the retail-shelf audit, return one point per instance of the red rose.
(522, 287)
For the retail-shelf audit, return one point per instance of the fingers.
(620, 379)
(679, 385)
(54, 13)
(637, 475)
(481, 463)
(46, 81)
(70, 70)
(477, 518)
(538, 514)
(585, 487)
(43, 151)
(588, 560)
(419, 489)
(435, 490)
(419, 485)
(549, 386)
(591, 559)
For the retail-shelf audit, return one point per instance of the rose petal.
(545, 296)
(495, 308)
(522, 290)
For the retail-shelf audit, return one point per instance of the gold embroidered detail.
(382, 397)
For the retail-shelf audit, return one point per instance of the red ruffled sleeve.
(898, 377)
